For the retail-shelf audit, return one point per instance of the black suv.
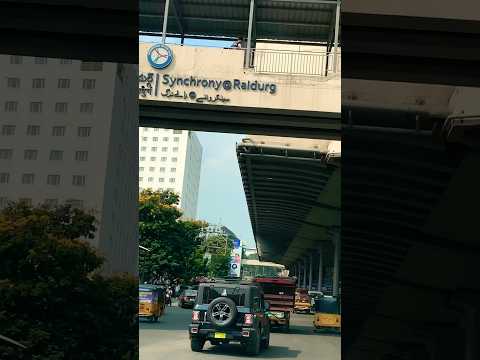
(230, 312)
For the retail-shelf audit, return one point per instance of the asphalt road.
(168, 340)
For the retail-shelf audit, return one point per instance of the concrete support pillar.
(310, 273)
(299, 274)
(304, 273)
(165, 21)
(336, 264)
(320, 268)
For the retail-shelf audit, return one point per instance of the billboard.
(235, 259)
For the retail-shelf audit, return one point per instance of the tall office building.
(66, 130)
(171, 159)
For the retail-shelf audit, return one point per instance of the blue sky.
(221, 195)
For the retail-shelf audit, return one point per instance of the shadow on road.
(237, 350)
(305, 330)
(176, 319)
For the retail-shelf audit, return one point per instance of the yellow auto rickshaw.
(327, 313)
(151, 300)
(303, 301)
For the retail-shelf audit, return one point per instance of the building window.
(165, 139)
(173, 169)
(15, 59)
(33, 130)
(8, 130)
(145, 129)
(84, 131)
(56, 155)
(38, 83)
(61, 107)
(155, 138)
(144, 138)
(78, 180)
(174, 159)
(58, 131)
(74, 203)
(13, 82)
(65, 61)
(156, 129)
(163, 158)
(40, 60)
(4, 178)
(175, 149)
(28, 178)
(88, 84)
(53, 179)
(30, 154)
(51, 202)
(177, 131)
(142, 158)
(140, 179)
(151, 169)
(150, 179)
(161, 180)
(81, 155)
(172, 180)
(143, 148)
(141, 169)
(6, 154)
(11, 106)
(63, 83)
(162, 169)
(86, 108)
(176, 139)
(91, 66)
(36, 107)
(153, 158)
(164, 149)
(154, 149)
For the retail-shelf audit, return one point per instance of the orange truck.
(280, 293)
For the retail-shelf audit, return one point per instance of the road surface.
(168, 339)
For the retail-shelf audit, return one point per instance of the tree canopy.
(174, 243)
(51, 291)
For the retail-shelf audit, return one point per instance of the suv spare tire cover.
(222, 312)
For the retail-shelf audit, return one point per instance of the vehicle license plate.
(220, 335)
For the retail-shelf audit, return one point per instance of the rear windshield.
(190, 292)
(237, 294)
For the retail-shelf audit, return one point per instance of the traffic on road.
(232, 319)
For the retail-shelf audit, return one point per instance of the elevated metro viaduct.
(292, 187)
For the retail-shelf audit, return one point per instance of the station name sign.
(192, 88)
(227, 85)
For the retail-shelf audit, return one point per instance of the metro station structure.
(283, 81)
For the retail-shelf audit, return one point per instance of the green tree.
(220, 248)
(173, 243)
(51, 291)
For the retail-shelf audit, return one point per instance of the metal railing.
(295, 62)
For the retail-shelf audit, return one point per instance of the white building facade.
(66, 137)
(171, 159)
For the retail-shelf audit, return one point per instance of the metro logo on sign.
(160, 56)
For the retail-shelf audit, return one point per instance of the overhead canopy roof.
(294, 20)
(293, 199)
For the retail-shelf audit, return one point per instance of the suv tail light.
(248, 319)
(195, 315)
